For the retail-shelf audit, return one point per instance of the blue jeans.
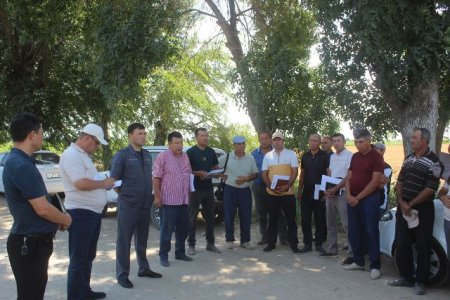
(173, 218)
(363, 222)
(83, 238)
(234, 198)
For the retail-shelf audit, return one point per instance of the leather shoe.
(150, 274)
(401, 282)
(212, 248)
(95, 295)
(164, 262)
(419, 289)
(183, 257)
(126, 283)
(269, 248)
(305, 249)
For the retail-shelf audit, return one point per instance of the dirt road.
(234, 274)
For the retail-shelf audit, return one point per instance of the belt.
(39, 236)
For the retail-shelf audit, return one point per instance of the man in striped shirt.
(415, 188)
(171, 175)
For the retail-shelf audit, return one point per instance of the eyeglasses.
(95, 140)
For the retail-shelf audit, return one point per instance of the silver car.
(439, 264)
(47, 163)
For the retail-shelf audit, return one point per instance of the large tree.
(387, 63)
(269, 42)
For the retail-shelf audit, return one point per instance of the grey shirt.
(236, 167)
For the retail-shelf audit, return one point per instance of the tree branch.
(200, 12)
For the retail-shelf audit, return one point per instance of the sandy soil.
(234, 274)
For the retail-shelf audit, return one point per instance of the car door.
(2, 163)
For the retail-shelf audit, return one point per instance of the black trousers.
(422, 237)
(308, 207)
(206, 198)
(286, 204)
(30, 270)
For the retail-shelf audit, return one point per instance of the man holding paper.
(282, 162)
(171, 176)
(336, 202)
(314, 164)
(133, 165)
(85, 199)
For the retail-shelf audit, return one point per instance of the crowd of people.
(182, 181)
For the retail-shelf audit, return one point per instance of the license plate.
(53, 175)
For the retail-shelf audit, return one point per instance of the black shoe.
(328, 254)
(95, 295)
(212, 248)
(262, 242)
(348, 261)
(150, 274)
(320, 249)
(295, 249)
(419, 289)
(126, 283)
(269, 248)
(305, 249)
(184, 258)
(401, 282)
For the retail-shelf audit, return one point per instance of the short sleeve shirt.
(417, 174)
(236, 167)
(76, 164)
(339, 163)
(280, 164)
(446, 209)
(363, 167)
(314, 167)
(202, 160)
(23, 182)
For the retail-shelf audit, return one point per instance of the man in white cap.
(85, 199)
(240, 171)
(281, 162)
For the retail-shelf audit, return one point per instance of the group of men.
(182, 181)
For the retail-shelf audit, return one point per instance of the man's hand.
(351, 200)
(157, 202)
(404, 207)
(66, 225)
(108, 183)
(241, 180)
(330, 193)
(446, 201)
(282, 189)
(202, 174)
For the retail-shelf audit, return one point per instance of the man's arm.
(49, 212)
(444, 197)
(371, 187)
(265, 178)
(301, 180)
(351, 200)
(157, 191)
(86, 184)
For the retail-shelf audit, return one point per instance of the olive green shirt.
(236, 167)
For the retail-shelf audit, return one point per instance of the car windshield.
(46, 158)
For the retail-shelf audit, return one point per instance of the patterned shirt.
(417, 174)
(174, 172)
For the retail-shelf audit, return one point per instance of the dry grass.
(394, 156)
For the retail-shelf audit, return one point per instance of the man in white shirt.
(335, 197)
(444, 195)
(85, 199)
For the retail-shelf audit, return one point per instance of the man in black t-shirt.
(203, 159)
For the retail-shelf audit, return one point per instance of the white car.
(47, 163)
(439, 264)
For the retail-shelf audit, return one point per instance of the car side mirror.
(386, 217)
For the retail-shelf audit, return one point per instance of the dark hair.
(134, 126)
(338, 135)
(426, 134)
(264, 132)
(359, 133)
(198, 130)
(22, 124)
(174, 134)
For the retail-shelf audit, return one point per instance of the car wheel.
(438, 264)
(104, 211)
(155, 215)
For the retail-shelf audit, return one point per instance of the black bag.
(219, 191)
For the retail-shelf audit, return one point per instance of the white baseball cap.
(96, 131)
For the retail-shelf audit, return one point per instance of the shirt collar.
(78, 148)
(23, 154)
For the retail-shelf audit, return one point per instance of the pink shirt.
(174, 172)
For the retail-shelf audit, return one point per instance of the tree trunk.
(160, 133)
(444, 116)
(106, 149)
(420, 111)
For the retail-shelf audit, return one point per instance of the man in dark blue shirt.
(203, 159)
(30, 243)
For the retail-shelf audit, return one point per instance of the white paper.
(316, 191)
(103, 176)
(387, 172)
(325, 179)
(117, 183)
(213, 172)
(191, 182)
(276, 178)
